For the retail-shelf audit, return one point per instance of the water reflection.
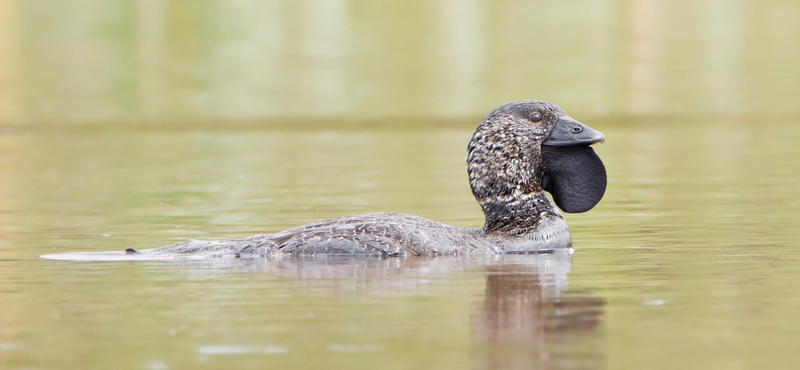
(532, 323)
(526, 318)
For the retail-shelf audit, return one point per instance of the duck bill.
(574, 174)
(569, 132)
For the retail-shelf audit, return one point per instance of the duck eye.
(577, 129)
(536, 117)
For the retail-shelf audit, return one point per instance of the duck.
(519, 151)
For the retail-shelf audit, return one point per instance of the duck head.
(524, 148)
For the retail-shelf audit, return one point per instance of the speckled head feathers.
(523, 113)
(505, 164)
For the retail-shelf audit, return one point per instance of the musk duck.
(519, 151)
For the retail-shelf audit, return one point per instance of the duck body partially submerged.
(519, 151)
(380, 234)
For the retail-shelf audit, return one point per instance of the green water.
(141, 124)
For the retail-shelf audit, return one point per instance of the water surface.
(141, 124)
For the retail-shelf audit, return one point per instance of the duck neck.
(516, 214)
(511, 197)
(504, 164)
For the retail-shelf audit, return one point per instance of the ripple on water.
(221, 350)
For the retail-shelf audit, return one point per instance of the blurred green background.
(227, 62)
(145, 123)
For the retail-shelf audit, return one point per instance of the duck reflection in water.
(526, 318)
